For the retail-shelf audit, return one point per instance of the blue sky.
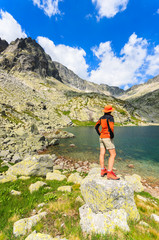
(115, 42)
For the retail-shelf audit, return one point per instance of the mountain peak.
(26, 54)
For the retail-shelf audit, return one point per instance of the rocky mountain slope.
(34, 88)
(35, 101)
(71, 79)
(145, 97)
(149, 106)
(140, 90)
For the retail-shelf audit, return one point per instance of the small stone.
(34, 212)
(34, 129)
(79, 199)
(57, 167)
(75, 178)
(24, 177)
(55, 176)
(155, 217)
(5, 163)
(4, 153)
(20, 131)
(80, 169)
(65, 188)
(76, 165)
(56, 171)
(48, 188)
(14, 192)
(41, 205)
(23, 225)
(39, 236)
(131, 166)
(16, 158)
(8, 178)
(72, 145)
(54, 142)
(35, 186)
(85, 163)
(143, 223)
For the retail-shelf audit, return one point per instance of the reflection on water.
(134, 145)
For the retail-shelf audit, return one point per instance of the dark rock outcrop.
(27, 55)
(3, 45)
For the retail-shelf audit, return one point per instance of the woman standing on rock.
(106, 142)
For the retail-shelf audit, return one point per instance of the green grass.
(3, 169)
(21, 206)
(83, 123)
(58, 112)
(66, 113)
(10, 117)
(63, 212)
(31, 114)
(45, 85)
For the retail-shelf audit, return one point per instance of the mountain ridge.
(26, 54)
(29, 65)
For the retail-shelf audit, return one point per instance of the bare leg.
(101, 157)
(112, 153)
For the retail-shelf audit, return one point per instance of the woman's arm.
(97, 126)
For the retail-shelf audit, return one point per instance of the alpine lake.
(136, 145)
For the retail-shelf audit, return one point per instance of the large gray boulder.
(37, 165)
(104, 195)
(102, 222)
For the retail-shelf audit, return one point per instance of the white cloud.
(50, 7)
(122, 70)
(132, 66)
(10, 28)
(153, 62)
(109, 8)
(72, 58)
(157, 11)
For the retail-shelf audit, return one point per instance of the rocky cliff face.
(3, 45)
(148, 106)
(26, 55)
(71, 79)
(146, 98)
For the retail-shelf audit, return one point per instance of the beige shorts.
(106, 143)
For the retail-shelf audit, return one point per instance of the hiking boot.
(103, 172)
(111, 176)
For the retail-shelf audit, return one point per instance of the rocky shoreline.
(83, 167)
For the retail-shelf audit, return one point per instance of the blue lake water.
(134, 145)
